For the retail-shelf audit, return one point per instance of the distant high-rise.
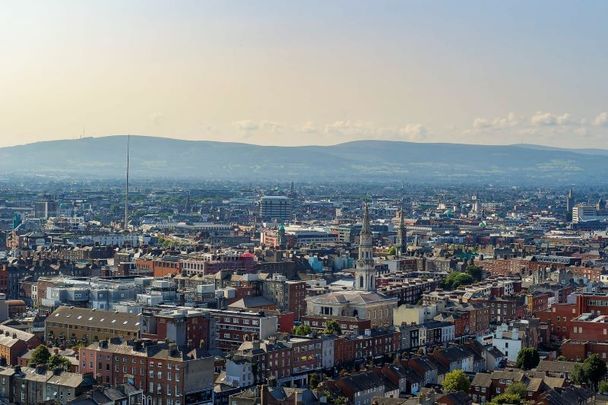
(401, 245)
(475, 207)
(126, 219)
(45, 209)
(569, 205)
(275, 208)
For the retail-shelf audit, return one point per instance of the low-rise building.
(71, 325)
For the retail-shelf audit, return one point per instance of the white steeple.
(365, 271)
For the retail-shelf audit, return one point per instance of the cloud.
(350, 128)
(271, 126)
(308, 128)
(413, 132)
(601, 120)
(549, 119)
(157, 118)
(509, 121)
(246, 125)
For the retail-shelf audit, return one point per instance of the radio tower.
(126, 224)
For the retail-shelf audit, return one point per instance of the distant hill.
(162, 158)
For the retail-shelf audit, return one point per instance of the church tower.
(401, 245)
(281, 240)
(365, 271)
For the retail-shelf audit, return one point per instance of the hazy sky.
(306, 72)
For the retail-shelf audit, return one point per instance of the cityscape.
(303, 203)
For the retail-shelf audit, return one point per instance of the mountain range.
(374, 161)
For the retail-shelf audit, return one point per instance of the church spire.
(365, 229)
(364, 273)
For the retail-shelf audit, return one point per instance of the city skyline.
(309, 73)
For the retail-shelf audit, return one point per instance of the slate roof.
(92, 317)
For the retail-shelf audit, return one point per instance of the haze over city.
(303, 202)
(302, 73)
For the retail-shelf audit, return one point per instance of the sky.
(306, 72)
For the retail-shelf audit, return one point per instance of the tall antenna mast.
(126, 225)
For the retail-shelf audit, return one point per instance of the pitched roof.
(93, 317)
(556, 366)
(482, 380)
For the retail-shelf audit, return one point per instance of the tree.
(57, 360)
(527, 358)
(506, 398)
(332, 328)
(456, 279)
(302, 330)
(314, 380)
(603, 387)
(456, 380)
(40, 355)
(475, 271)
(594, 369)
(518, 388)
(578, 374)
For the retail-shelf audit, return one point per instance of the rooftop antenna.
(126, 224)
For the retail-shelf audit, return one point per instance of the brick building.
(286, 294)
(348, 324)
(71, 325)
(188, 328)
(165, 374)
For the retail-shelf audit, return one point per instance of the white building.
(508, 341)
(327, 351)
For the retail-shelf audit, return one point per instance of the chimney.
(173, 352)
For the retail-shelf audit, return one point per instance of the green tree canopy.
(603, 387)
(332, 327)
(456, 279)
(41, 355)
(302, 330)
(506, 398)
(595, 369)
(313, 381)
(57, 360)
(527, 358)
(518, 388)
(592, 371)
(456, 380)
(475, 272)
